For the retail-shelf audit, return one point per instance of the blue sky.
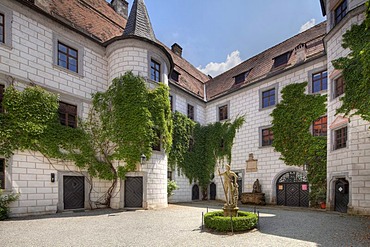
(222, 33)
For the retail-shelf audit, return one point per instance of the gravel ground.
(180, 225)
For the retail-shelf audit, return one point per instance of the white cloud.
(307, 25)
(215, 69)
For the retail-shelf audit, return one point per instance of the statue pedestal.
(230, 211)
(253, 198)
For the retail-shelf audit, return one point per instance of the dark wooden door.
(195, 192)
(134, 192)
(74, 192)
(341, 195)
(292, 190)
(212, 191)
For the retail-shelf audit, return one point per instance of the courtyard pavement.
(180, 225)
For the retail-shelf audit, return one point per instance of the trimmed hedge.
(217, 221)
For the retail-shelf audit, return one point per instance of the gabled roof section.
(94, 18)
(138, 23)
(262, 65)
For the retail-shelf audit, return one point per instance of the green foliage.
(121, 126)
(217, 221)
(171, 186)
(196, 149)
(5, 200)
(292, 119)
(356, 70)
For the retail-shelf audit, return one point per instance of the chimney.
(177, 49)
(121, 7)
(300, 53)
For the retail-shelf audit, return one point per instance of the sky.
(216, 35)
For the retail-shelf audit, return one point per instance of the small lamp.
(142, 159)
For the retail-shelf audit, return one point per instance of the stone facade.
(29, 54)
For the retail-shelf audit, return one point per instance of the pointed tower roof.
(138, 23)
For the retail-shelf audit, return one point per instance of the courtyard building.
(76, 48)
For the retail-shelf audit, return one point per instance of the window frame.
(68, 56)
(339, 15)
(335, 86)
(7, 24)
(77, 47)
(260, 133)
(321, 81)
(218, 108)
(342, 129)
(66, 118)
(320, 124)
(189, 114)
(155, 62)
(261, 91)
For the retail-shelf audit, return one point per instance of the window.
(2, 174)
(223, 112)
(2, 28)
(267, 137)
(68, 114)
(169, 175)
(1, 97)
(339, 87)
(191, 112)
(67, 57)
(282, 59)
(340, 138)
(6, 22)
(241, 77)
(175, 76)
(268, 98)
(319, 81)
(320, 126)
(171, 102)
(155, 71)
(157, 141)
(340, 12)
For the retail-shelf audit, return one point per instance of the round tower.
(138, 50)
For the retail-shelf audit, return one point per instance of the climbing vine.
(122, 124)
(356, 70)
(197, 149)
(292, 119)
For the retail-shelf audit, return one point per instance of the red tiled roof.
(94, 17)
(261, 65)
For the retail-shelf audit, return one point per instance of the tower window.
(155, 71)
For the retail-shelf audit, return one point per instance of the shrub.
(171, 186)
(5, 200)
(217, 221)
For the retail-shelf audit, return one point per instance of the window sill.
(267, 108)
(6, 46)
(320, 92)
(78, 74)
(264, 147)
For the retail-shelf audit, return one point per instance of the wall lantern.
(142, 159)
(52, 177)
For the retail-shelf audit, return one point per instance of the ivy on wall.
(356, 70)
(292, 119)
(197, 149)
(121, 126)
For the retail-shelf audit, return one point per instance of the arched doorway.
(195, 192)
(212, 191)
(292, 190)
(341, 195)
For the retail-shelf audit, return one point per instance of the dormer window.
(340, 12)
(282, 59)
(241, 77)
(175, 76)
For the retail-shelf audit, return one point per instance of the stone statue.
(257, 187)
(230, 186)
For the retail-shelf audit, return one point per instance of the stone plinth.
(253, 198)
(230, 211)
